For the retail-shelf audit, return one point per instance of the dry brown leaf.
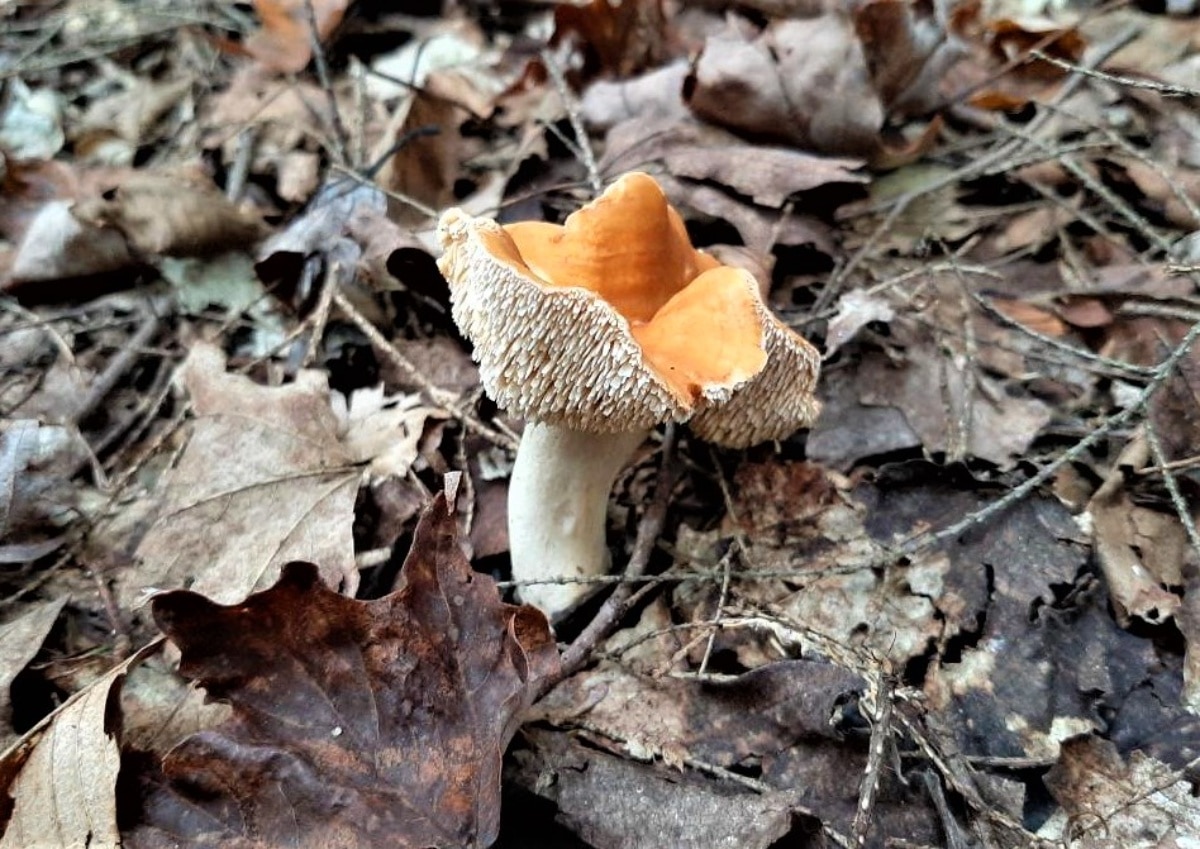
(284, 42)
(264, 480)
(618, 38)
(615, 803)
(800, 519)
(1168, 190)
(62, 776)
(1035, 318)
(855, 310)
(278, 111)
(1110, 803)
(657, 92)
(163, 213)
(767, 175)
(427, 168)
(26, 186)
(1128, 557)
(827, 83)
(58, 245)
(37, 497)
(945, 412)
(355, 723)
(384, 432)
(113, 127)
(780, 719)
(759, 228)
(20, 640)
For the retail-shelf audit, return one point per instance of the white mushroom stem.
(558, 510)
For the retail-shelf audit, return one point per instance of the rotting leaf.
(616, 803)
(355, 723)
(263, 480)
(1108, 803)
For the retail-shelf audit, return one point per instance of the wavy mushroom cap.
(613, 321)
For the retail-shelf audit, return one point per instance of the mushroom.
(595, 332)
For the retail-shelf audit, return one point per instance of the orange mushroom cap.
(613, 321)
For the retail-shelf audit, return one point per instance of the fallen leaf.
(284, 41)
(355, 723)
(62, 776)
(946, 414)
(1110, 803)
(1128, 554)
(781, 720)
(826, 83)
(855, 310)
(620, 38)
(615, 803)
(58, 245)
(26, 187)
(172, 214)
(37, 497)
(31, 122)
(444, 44)
(347, 223)
(1035, 318)
(263, 480)
(1172, 192)
(114, 127)
(384, 432)
(657, 92)
(21, 640)
(760, 228)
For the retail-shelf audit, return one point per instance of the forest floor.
(962, 609)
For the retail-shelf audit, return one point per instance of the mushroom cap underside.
(616, 326)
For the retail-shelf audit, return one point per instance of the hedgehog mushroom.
(595, 332)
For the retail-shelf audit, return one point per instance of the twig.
(1172, 484)
(1100, 363)
(117, 367)
(243, 157)
(320, 316)
(341, 140)
(1166, 89)
(615, 606)
(932, 538)
(45, 325)
(437, 396)
(583, 147)
(897, 206)
(881, 737)
(392, 193)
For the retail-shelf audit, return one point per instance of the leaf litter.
(960, 611)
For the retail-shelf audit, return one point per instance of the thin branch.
(341, 140)
(437, 396)
(1163, 371)
(583, 147)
